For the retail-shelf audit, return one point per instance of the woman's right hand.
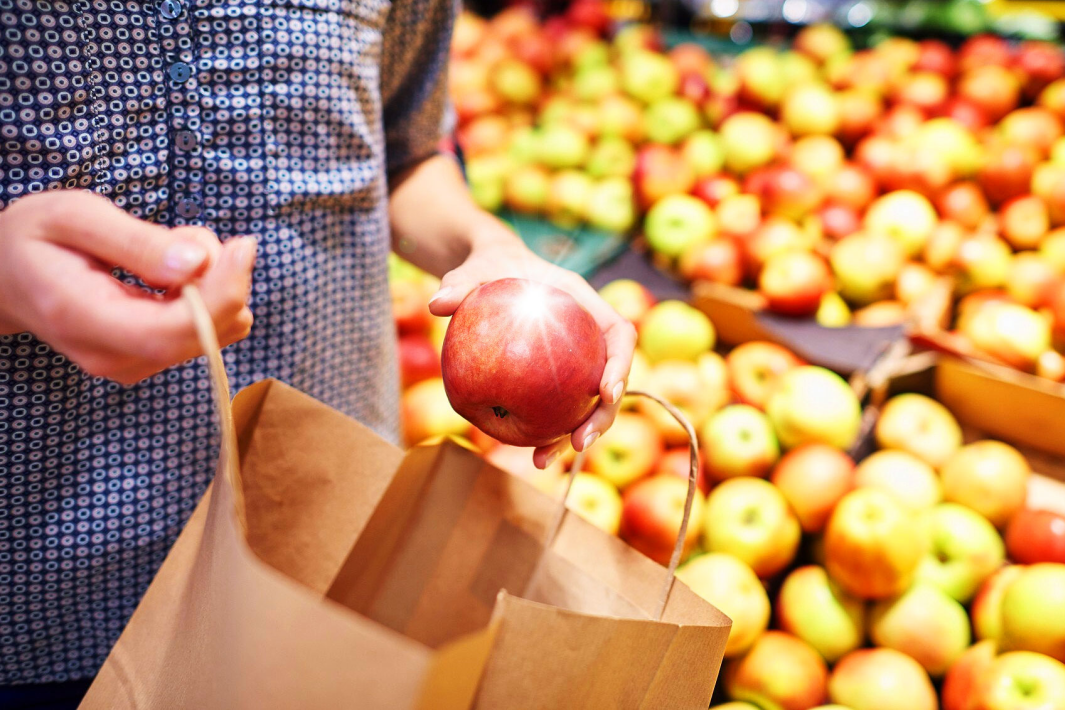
(57, 250)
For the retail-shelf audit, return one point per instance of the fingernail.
(440, 294)
(244, 252)
(619, 389)
(589, 440)
(184, 257)
(551, 458)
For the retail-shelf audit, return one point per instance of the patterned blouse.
(277, 118)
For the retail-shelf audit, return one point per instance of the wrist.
(489, 232)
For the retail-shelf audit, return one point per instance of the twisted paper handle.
(693, 475)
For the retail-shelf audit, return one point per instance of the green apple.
(673, 330)
(1011, 332)
(925, 624)
(704, 153)
(671, 120)
(833, 311)
(1033, 611)
(866, 267)
(983, 261)
(913, 482)
(561, 146)
(810, 109)
(812, 404)
(486, 175)
(749, 518)
(919, 425)
(738, 441)
(627, 451)
(526, 188)
(761, 75)
(597, 501)
(729, 584)
(966, 550)
(611, 157)
(676, 222)
(611, 205)
(881, 679)
(750, 141)
(1021, 680)
(987, 604)
(904, 215)
(631, 299)
(516, 82)
(567, 198)
(594, 82)
(648, 76)
(990, 477)
(523, 146)
(873, 544)
(815, 609)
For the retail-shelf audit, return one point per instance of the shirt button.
(170, 9)
(180, 72)
(186, 140)
(188, 208)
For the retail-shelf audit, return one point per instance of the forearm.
(435, 222)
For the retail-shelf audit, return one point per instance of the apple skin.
(711, 189)
(1007, 172)
(1032, 604)
(839, 221)
(652, 514)
(964, 203)
(925, 624)
(494, 369)
(866, 266)
(426, 413)
(853, 186)
(750, 141)
(904, 215)
(718, 260)
(631, 299)
(678, 222)
(418, 359)
(995, 90)
(526, 189)
(810, 109)
(987, 604)
(749, 518)
(738, 440)
(988, 476)
(1035, 535)
(812, 607)
(677, 462)
(1021, 680)
(660, 171)
(1024, 221)
(697, 389)
(781, 672)
(1032, 278)
(909, 479)
(965, 550)
(674, 330)
(794, 282)
(738, 216)
(647, 76)
(960, 681)
(788, 192)
(754, 369)
(597, 501)
(813, 478)
(627, 451)
(881, 679)
(921, 426)
(729, 584)
(873, 545)
(811, 404)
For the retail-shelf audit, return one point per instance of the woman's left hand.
(503, 255)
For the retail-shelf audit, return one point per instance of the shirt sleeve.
(416, 111)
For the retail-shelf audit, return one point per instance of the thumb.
(454, 287)
(93, 225)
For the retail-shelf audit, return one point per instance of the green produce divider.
(581, 249)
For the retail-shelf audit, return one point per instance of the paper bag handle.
(205, 333)
(693, 477)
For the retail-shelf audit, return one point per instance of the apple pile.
(843, 185)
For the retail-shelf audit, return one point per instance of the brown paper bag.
(324, 570)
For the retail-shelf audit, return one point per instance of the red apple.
(935, 56)
(963, 203)
(1033, 127)
(418, 359)
(1024, 221)
(852, 185)
(923, 89)
(652, 514)
(1039, 63)
(719, 260)
(754, 369)
(1031, 279)
(872, 544)
(1007, 172)
(775, 235)
(627, 451)
(676, 461)
(794, 282)
(1035, 535)
(522, 361)
(878, 155)
(984, 50)
(712, 189)
(901, 121)
(994, 89)
(838, 221)
(589, 14)
(965, 673)
(965, 112)
(780, 671)
(410, 299)
(660, 171)
(813, 478)
(859, 112)
(789, 193)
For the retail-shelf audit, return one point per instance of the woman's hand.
(57, 250)
(500, 254)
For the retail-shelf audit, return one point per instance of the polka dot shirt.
(277, 118)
